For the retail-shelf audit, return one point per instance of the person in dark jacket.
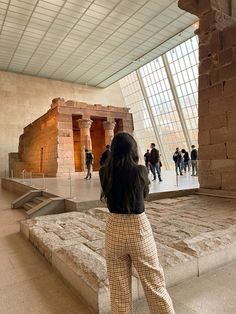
(155, 162)
(194, 158)
(105, 155)
(128, 238)
(186, 160)
(147, 159)
(177, 157)
(88, 162)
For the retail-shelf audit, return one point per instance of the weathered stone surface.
(89, 265)
(217, 90)
(187, 230)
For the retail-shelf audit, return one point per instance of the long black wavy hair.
(122, 170)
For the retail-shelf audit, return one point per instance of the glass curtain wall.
(161, 99)
(134, 100)
(183, 61)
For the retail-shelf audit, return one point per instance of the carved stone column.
(85, 138)
(109, 131)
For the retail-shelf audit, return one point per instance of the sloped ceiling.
(92, 42)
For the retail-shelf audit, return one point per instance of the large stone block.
(229, 180)
(222, 105)
(228, 39)
(213, 92)
(204, 137)
(222, 135)
(230, 86)
(231, 114)
(203, 108)
(212, 121)
(225, 165)
(212, 151)
(226, 56)
(228, 71)
(231, 149)
(210, 181)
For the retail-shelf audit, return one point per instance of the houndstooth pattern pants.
(129, 240)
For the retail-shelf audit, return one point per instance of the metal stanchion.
(44, 182)
(30, 178)
(23, 176)
(177, 180)
(70, 184)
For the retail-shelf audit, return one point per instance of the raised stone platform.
(193, 235)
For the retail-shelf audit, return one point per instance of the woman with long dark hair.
(129, 239)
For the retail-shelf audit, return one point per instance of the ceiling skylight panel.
(105, 3)
(129, 10)
(38, 24)
(75, 7)
(3, 7)
(83, 22)
(96, 15)
(18, 10)
(17, 17)
(49, 6)
(141, 17)
(63, 18)
(29, 5)
(43, 17)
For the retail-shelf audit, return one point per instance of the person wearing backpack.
(88, 161)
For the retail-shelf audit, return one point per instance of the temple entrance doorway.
(98, 140)
(77, 143)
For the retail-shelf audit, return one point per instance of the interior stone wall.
(217, 95)
(24, 98)
(41, 150)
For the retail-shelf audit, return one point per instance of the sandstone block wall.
(217, 93)
(38, 145)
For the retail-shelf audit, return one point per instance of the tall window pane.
(183, 62)
(143, 131)
(163, 106)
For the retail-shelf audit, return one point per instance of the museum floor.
(84, 190)
(29, 285)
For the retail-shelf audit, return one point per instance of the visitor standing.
(88, 161)
(194, 158)
(155, 162)
(186, 160)
(129, 239)
(177, 157)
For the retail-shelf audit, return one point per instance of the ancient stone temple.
(55, 143)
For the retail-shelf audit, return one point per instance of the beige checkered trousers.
(129, 240)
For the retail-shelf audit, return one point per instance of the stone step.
(29, 205)
(53, 205)
(39, 199)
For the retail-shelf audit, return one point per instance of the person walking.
(129, 239)
(88, 161)
(105, 155)
(147, 159)
(194, 158)
(177, 157)
(155, 162)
